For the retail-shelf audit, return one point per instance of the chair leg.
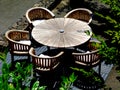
(29, 59)
(99, 71)
(12, 62)
(48, 48)
(34, 74)
(12, 58)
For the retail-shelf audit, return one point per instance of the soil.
(112, 82)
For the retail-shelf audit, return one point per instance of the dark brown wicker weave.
(45, 63)
(38, 13)
(80, 14)
(87, 59)
(16, 48)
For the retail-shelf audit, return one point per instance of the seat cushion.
(88, 52)
(44, 56)
(36, 22)
(26, 42)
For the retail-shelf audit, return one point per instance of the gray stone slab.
(12, 10)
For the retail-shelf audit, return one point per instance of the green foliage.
(87, 74)
(115, 36)
(97, 44)
(67, 82)
(4, 77)
(112, 50)
(20, 76)
(113, 20)
(3, 55)
(107, 53)
(114, 5)
(37, 87)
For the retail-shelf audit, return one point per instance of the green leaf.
(87, 32)
(42, 88)
(61, 88)
(35, 85)
(72, 77)
(17, 65)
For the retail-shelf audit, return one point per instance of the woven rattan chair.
(46, 66)
(83, 14)
(88, 59)
(43, 63)
(19, 43)
(35, 15)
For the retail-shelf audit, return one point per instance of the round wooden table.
(62, 32)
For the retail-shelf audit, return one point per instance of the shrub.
(112, 49)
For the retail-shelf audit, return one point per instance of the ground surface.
(12, 10)
(111, 81)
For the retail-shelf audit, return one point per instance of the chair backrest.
(38, 13)
(89, 59)
(93, 44)
(45, 63)
(18, 41)
(83, 14)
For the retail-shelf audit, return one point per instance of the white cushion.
(44, 56)
(88, 52)
(27, 42)
(36, 22)
(44, 61)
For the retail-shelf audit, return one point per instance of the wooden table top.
(62, 32)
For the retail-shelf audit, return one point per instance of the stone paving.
(13, 16)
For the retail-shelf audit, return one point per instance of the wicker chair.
(44, 63)
(19, 43)
(80, 14)
(35, 15)
(87, 59)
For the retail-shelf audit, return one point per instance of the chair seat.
(86, 64)
(86, 60)
(47, 69)
(26, 42)
(20, 52)
(36, 22)
(44, 56)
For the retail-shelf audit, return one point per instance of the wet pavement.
(11, 11)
